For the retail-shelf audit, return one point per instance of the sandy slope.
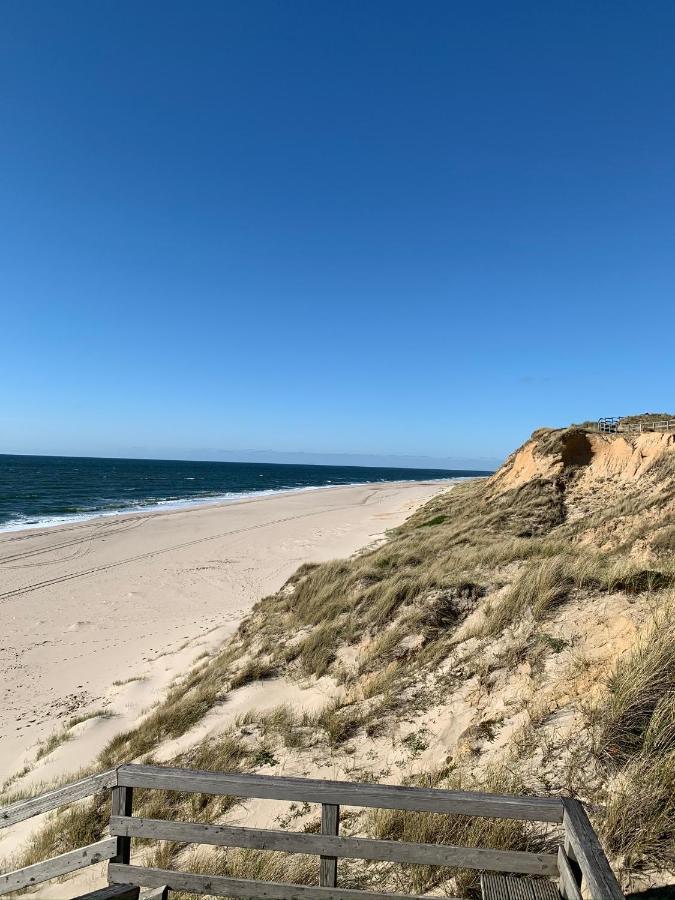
(140, 597)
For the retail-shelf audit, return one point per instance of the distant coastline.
(48, 491)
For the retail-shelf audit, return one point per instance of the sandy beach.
(101, 616)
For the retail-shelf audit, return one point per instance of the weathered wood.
(35, 806)
(599, 878)
(59, 865)
(572, 860)
(219, 886)
(333, 846)
(113, 892)
(330, 825)
(492, 887)
(160, 893)
(568, 884)
(121, 805)
(538, 809)
(509, 887)
(543, 889)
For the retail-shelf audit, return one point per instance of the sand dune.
(136, 599)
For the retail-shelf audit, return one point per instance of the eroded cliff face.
(550, 453)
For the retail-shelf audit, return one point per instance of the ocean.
(39, 491)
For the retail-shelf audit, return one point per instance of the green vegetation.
(483, 598)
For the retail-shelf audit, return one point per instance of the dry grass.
(639, 818)
(67, 829)
(253, 670)
(60, 737)
(433, 828)
(546, 583)
(638, 712)
(398, 609)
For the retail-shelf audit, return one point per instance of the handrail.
(345, 793)
(57, 865)
(585, 848)
(616, 425)
(580, 859)
(62, 796)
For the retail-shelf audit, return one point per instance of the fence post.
(330, 824)
(122, 800)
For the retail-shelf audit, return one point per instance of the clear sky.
(351, 227)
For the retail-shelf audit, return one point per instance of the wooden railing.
(579, 859)
(616, 425)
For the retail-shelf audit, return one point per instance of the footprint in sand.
(78, 626)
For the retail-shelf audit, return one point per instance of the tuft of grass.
(85, 717)
(61, 737)
(541, 586)
(254, 670)
(340, 722)
(638, 712)
(435, 520)
(317, 651)
(183, 708)
(123, 681)
(639, 817)
(53, 741)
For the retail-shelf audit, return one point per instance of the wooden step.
(513, 887)
(113, 892)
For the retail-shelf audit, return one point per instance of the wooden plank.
(493, 887)
(160, 893)
(598, 875)
(519, 888)
(574, 866)
(121, 805)
(543, 889)
(113, 892)
(509, 887)
(330, 825)
(538, 809)
(330, 845)
(569, 889)
(219, 886)
(59, 865)
(26, 809)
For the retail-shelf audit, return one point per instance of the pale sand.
(142, 596)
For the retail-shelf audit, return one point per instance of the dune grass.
(384, 622)
(638, 712)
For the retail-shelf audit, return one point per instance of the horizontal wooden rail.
(78, 790)
(219, 886)
(345, 793)
(327, 845)
(59, 865)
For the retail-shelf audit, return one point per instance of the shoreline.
(168, 506)
(102, 621)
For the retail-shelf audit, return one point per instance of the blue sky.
(353, 227)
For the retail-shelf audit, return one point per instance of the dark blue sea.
(50, 490)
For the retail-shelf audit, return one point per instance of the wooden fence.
(616, 425)
(579, 860)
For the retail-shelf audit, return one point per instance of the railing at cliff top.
(615, 425)
(579, 861)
